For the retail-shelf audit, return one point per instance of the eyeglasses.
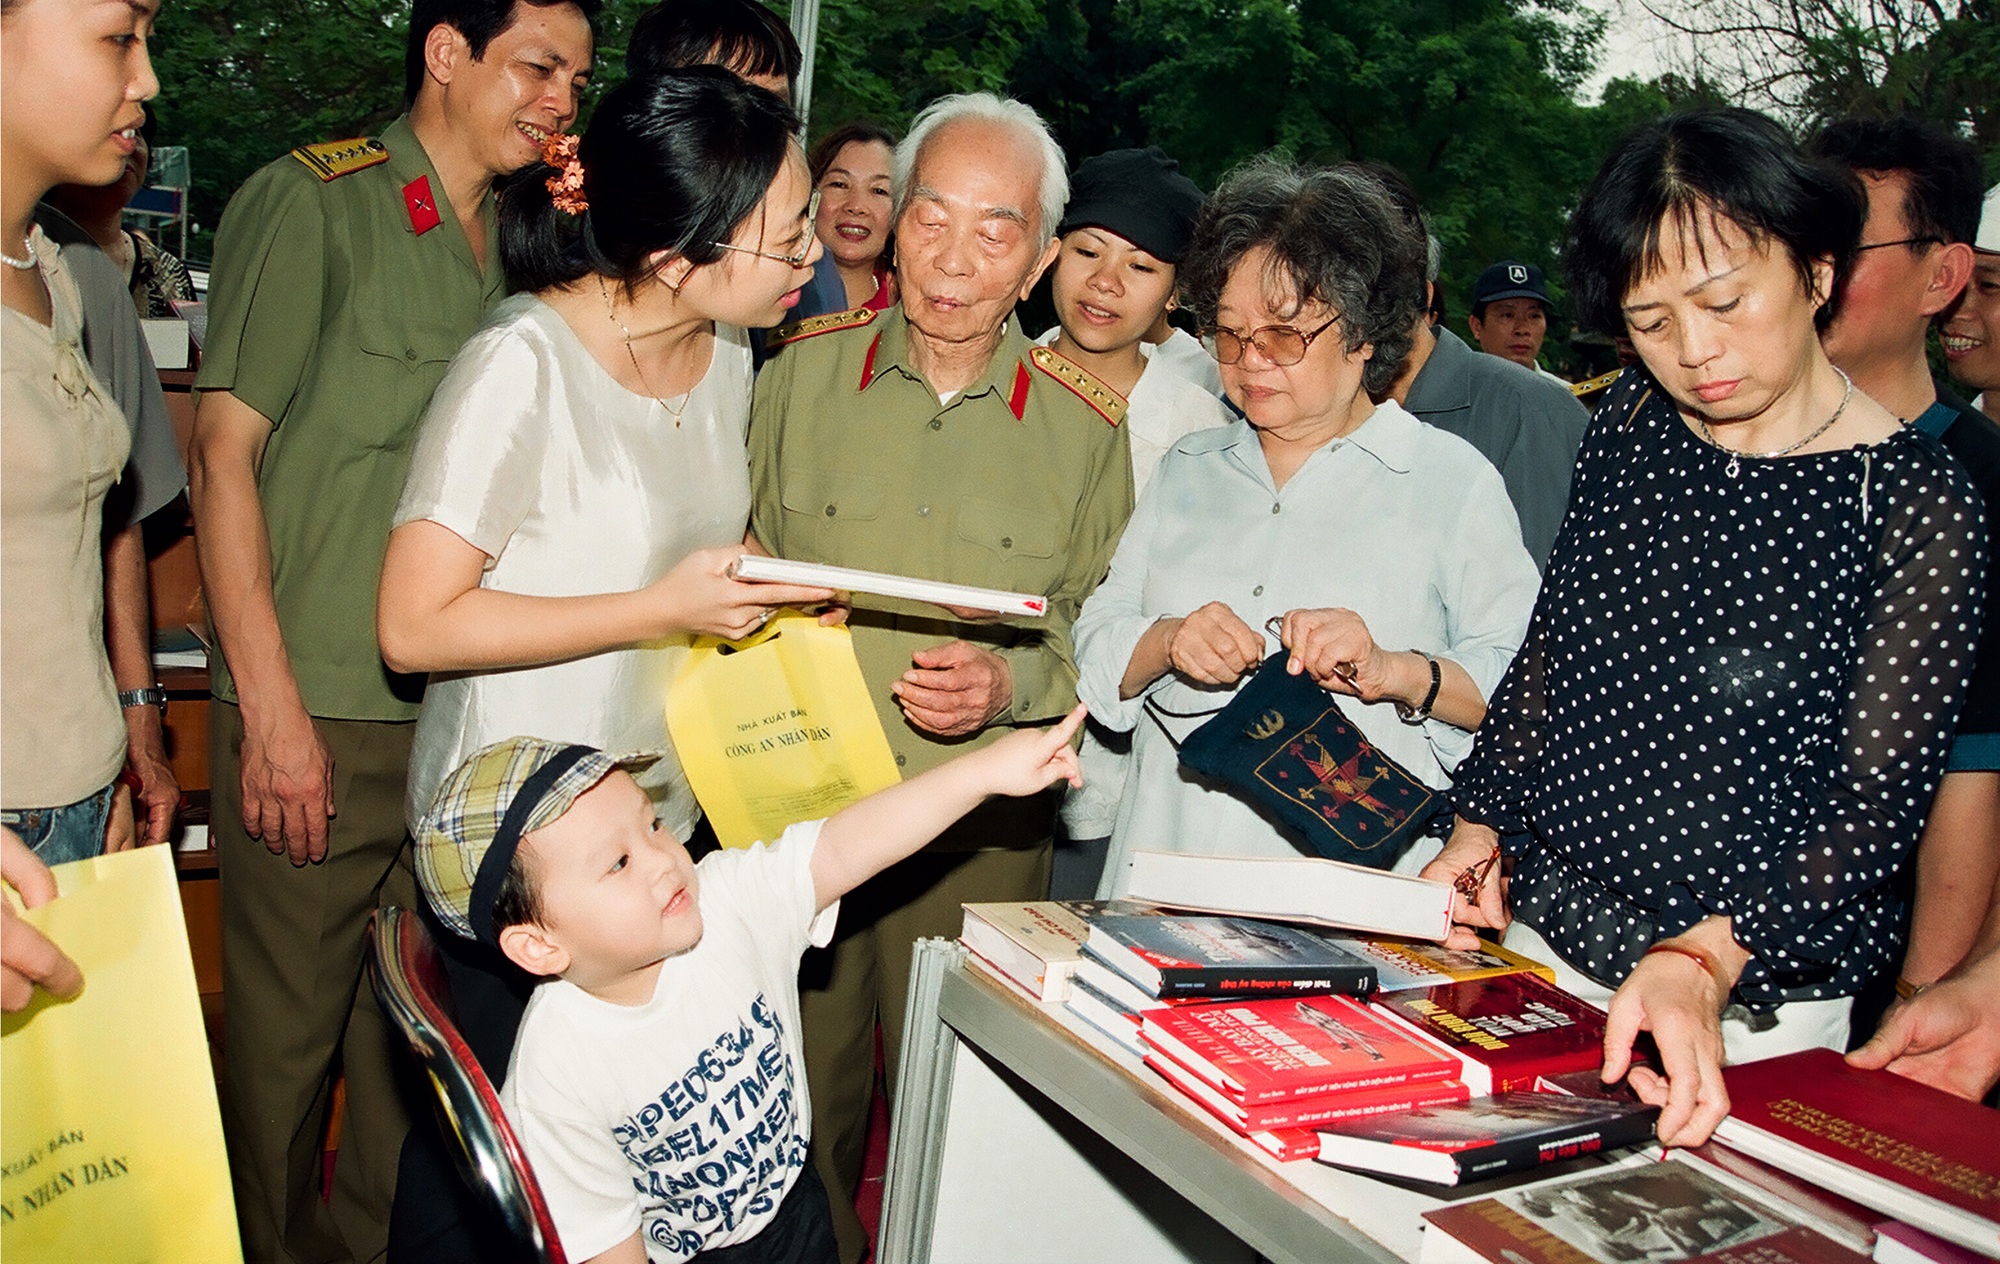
(795, 261)
(1902, 241)
(1282, 345)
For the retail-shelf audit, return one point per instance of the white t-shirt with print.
(685, 1118)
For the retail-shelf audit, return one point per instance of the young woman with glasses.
(580, 485)
(1715, 751)
(1384, 553)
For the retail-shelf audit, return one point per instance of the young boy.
(656, 1081)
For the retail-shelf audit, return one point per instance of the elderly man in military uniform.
(934, 440)
(346, 276)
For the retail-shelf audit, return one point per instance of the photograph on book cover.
(1649, 1215)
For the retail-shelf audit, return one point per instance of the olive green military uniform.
(332, 315)
(1022, 482)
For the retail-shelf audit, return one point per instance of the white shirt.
(686, 1118)
(1166, 406)
(1187, 357)
(1404, 524)
(533, 454)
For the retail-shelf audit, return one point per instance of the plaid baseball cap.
(466, 842)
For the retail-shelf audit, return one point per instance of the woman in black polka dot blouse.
(1718, 743)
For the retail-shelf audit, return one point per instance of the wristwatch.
(149, 697)
(1422, 711)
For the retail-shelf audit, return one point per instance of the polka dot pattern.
(1735, 698)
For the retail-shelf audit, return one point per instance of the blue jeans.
(72, 832)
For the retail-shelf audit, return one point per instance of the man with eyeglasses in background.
(1913, 261)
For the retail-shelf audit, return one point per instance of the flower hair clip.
(566, 186)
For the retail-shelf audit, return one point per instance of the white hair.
(1053, 186)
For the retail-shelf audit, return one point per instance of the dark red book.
(1509, 1031)
(1486, 1137)
(1648, 1211)
(1921, 1155)
(1275, 1050)
(1305, 1112)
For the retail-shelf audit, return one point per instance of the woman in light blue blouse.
(1384, 552)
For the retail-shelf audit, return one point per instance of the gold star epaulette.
(1601, 382)
(813, 326)
(1107, 403)
(333, 159)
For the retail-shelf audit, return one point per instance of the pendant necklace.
(633, 356)
(1735, 466)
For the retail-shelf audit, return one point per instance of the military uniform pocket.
(822, 505)
(1007, 532)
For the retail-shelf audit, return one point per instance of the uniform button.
(409, 353)
(923, 511)
(1006, 541)
(1274, 508)
(1258, 591)
(899, 761)
(937, 423)
(829, 511)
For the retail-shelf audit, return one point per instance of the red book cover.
(1905, 1148)
(1287, 1145)
(1510, 1030)
(1278, 1049)
(1306, 1112)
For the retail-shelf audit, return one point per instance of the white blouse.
(533, 454)
(1404, 524)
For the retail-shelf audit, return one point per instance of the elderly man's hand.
(954, 689)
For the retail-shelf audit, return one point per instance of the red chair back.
(411, 982)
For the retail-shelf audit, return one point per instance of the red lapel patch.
(422, 205)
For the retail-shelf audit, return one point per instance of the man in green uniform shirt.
(935, 441)
(346, 276)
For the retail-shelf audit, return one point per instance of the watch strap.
(1422, 711)
(149, 697)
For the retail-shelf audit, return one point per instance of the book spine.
(1181, 982)
(1339, 1107)
(1525, 1154)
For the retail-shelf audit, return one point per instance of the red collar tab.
(868, 364)
(1017, 401)
(422, 205)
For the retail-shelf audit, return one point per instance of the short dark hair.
(1946, 183)
(1334, 236)
(673, 162)
(739, 35)
(1734, 163)
(479, 21)
(518, 902)
(829, 146)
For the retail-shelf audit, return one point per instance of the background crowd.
(1709, 679)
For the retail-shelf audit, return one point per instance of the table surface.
(1303, 1212)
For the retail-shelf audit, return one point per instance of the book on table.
(1842, 1219)
(1304, 1112)
(1904, 1148)
(1036, 943)
(1510, 1031)
(1295, 889)
(1107, 1015)
(1279, 1049)
(1630, 1213)
(1402, 964)
(1486, 1137)
(847, 581)
(1183, 956)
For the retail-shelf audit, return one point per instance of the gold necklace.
(1736, 458)
(612, 312)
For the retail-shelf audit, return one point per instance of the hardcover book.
(1295, 889)
(1904, 1148)
(1402, 964)
(1305, 1112)
(1279, 1049)
(1036, 943)
(1179, 956)
(1487, 1136)
(1107, 1015)
(1510, 1030)
(1628, 1214)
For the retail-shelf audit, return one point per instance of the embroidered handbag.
(1283, 744)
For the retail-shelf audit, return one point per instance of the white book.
(777, 570)
(1296, 889)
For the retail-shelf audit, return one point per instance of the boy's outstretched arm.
(858, 842)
